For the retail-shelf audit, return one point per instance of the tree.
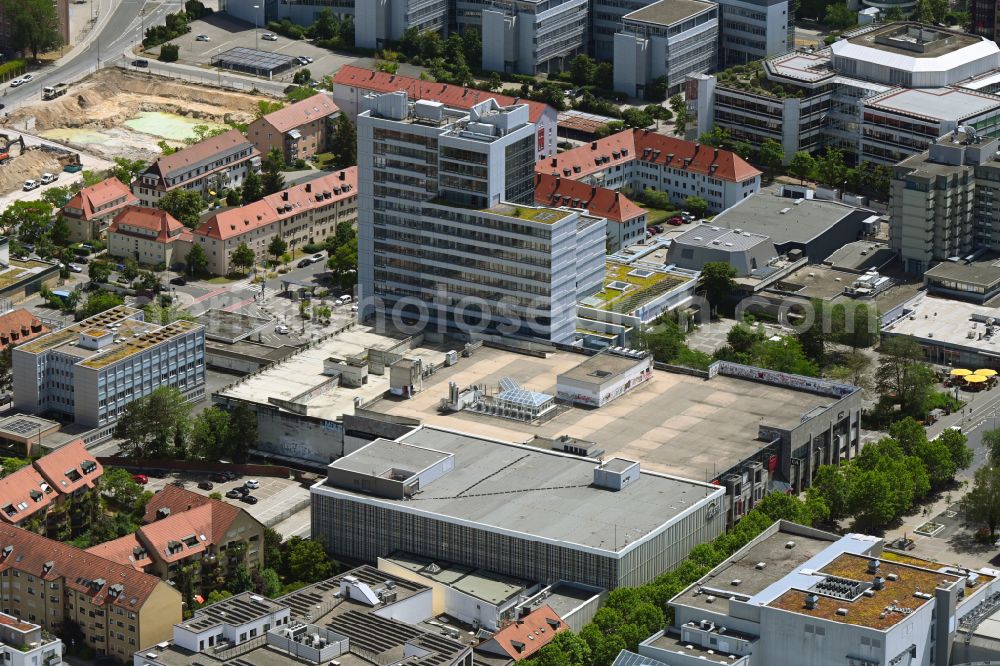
(344, 142)
(302, 77)
(118, 485)
(802, 166)
(854, 370)
(582, 70)
(871, 500)
(196, 261)
(923, 12)
(472, 47)
(242, 435)
(679, 107)
(58, 196)
(273, 180)
(830, 168)
(149, 425)
(813, 337)
(981, 505)
(265, 107)
(937, 459)
(240, 580)
(839, 17)
(185, 205)
(34, 25)
(270, 583)
(696, 206)
(902, 378)
(99, 271)
(719, 137)
(307, 561)
(273, 556)
(210, 434)
(169, 53)
(771, 155)
(343, 263)
(252, 188)
(958, 448)
(277, 247)
(242, 257)
(855, 324)
(130, 270)
(325, 26)
(717, 281)
(28, 219)
(59, 232)
(830, 483)
(98, 302)
(126, 170)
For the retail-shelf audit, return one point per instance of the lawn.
(219, 280)
(658, 216)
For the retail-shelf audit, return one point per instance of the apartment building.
(302, 12)
(27, 644)
(796, 591)
(91, 210)
(111, 608)
(446, 218)
(533, 36)
(305, 213)
(187, 536)
(378, 22)
(91, 370)
(352, 84)
(626, 221)
(151, 236)
(218, 162)
(941, 204)
(881, 93)
(299, 130)
(983, 16)
(27, 495)
(751, 30)
(669, 39)
(640, 159)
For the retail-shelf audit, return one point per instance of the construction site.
(115, 113)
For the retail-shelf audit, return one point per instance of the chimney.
(284, 195)
(593, 145)
(309, 187)
(593, 191)
(555, 161)
(342, 176)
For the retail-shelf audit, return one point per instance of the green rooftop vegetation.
(113, 316)
(638, 289)
(134, 345)
(530, 213)
(751, 78)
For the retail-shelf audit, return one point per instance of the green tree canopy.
(981, 505)
(196, 261)
(34, 25)
(152, 423)
(242, 257)
(185, 205)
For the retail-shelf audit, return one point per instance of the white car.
(281, 329)
(49, 178)
(16, 82)
(252, 484)
(269, 37)
(202, 38)
(75, 268)
(26, 78)
(317, 257)
(30, 185)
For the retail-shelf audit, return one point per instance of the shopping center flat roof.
(668, 12)
(947, 104)
(551, 495)
(944, 321)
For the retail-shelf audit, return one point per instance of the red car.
(141, 479)
(675, 221)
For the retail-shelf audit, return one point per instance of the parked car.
(49, 178)
(75, 268)
(202, 38)
(234, 494)
(302, 60)
(281, 329)
(205, 485)
(142, 62)
(269, 37)
(178, 483)
(30, 185)
(305, 262)
(219, 477)
(252, 484)
(675, 221)
(231, 476)
(316, 258)
(27, 77)
(141, 479)
(16, 82)
(179, 281)
(249, 499)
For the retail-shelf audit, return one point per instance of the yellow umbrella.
(960, 372)
(986, 372)
(975, 379)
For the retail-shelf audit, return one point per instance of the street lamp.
(256, 28)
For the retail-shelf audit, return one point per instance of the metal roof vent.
(811, 601)
(873, 566)
(842, 612)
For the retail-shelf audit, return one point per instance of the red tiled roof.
(100, 194)
(181, 501)
(19, 326)
(30, 553)
(318, 106)
(293, 201)
(521, 639)
(123, 550)
(151, 219)
(453, 96)
(650, 147)
(56, 466)
(11, 621)
(16, 501)
(557, 191)
(166, 537)
(199, 152)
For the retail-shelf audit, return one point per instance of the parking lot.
(281, 503)
(225, 32)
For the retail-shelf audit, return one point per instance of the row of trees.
(34, 25)
(160, 425)
(891, 475)
(631, 614)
